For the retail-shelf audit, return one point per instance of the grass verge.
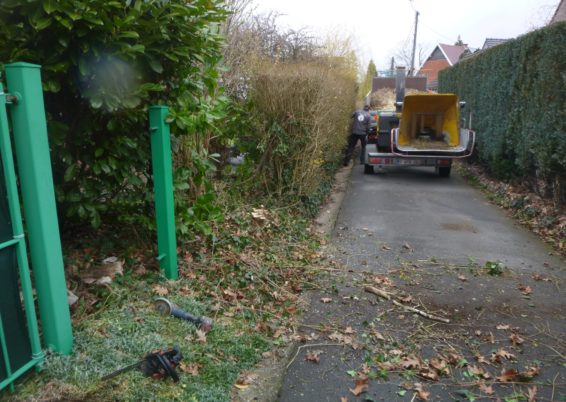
(248, 277)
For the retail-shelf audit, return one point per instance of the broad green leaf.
(42, 23)
(129, 34)
(156, 65)
(96, 103)
(70, 172)
(49, 6)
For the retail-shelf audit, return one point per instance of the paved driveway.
(437, 245)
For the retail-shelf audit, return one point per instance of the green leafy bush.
(103, 62)
(516, 93)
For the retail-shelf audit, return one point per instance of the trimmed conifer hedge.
(516, 94)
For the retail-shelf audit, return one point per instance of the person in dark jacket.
(360, 130)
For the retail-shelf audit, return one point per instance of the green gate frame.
(19, 243)
(36, 181)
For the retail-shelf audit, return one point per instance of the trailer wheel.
(368, 169)
(444, 171)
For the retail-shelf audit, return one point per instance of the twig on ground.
(378, 292)
(553, 386)
(311, 345)
(389, 296)
(422, 313)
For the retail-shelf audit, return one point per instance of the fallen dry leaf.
(508, 375)
(313, 356)
(428, 374)
(407, 246)
(349, 330)
(230, 295)
(246, 378)
(140, 270)
(385, 247)
(454, 358)
(529, 374)
(377, 335)
(516, 339)
(411, 362)
(201, 336)
(71, 298)
(526, 290)
(382, 280)
(488, 337)
(478, 372)
(481, 359)
(503, 327)
(462, 278)
(532, 393)
(421, 392)
(361, 386)
(325, 299)
(496, 357)
(260, 214)
(486, 389)
(160, 290)
(343, 399)
(192, 369)
(440, 365)
(539, 277)
(406, 299)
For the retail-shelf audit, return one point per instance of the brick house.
(442, 56)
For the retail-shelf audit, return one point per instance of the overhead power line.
(426, 25)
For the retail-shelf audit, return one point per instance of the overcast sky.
(381, 26)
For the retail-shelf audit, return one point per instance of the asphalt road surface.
(441, 247)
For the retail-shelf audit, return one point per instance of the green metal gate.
(20, 348)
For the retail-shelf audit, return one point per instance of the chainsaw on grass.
(160, 363)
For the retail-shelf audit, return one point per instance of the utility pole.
(412, 69)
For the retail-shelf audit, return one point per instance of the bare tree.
(403, 55)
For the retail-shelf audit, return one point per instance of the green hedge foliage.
(516, 93)
(103, 63)
(302, 113)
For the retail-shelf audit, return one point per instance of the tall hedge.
(103, 62)
(303, 115)
(516, 93)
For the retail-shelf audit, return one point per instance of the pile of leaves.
(538, 214)
(249, 281)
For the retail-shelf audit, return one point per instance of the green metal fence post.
(34, 167)
(18, 229)
(163, 182)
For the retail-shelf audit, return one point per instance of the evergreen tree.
(368, 80)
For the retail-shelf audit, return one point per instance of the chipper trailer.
(424, 130)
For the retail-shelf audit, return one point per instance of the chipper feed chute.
(429, 125)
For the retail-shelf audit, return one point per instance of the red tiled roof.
(452, 52)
